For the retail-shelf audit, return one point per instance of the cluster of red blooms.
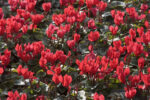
(10, 27)
(5, 59)
(28, 5)
(57, 77)
(99, 4)
(16, 96)
(134, 15)
(70, 16)
(23, 96)
(71, 43)
(48, 57)
(25, 73)
(118, 17)
(15, 26)
(29, 51)
(90, 65)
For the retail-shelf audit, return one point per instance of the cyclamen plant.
(90, 46)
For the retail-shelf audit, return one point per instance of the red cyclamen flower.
(71, 43)
(5, 59)
(76, 37)
(1, 70)
(37, 18)
(13, 96)
(46, 6)
(118, 18)
(98, 97)
(144, 7)
(132, 33)
(25, 73)
(1, 13)
(145, 78)
(58, 19)
(132, 12)
(25, 29)
(16, 96)
(80, 16)
(146, 23)
(81, 2)
(91, 24)
(50, 31)
(67, 81)
(141, 61)
(113, 29)
(23, 96)
(93, 36)
(91, 3)
(101, 6)
(130, 92)
(140, 31)
(57, 79)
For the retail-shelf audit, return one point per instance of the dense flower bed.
(82, 49)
